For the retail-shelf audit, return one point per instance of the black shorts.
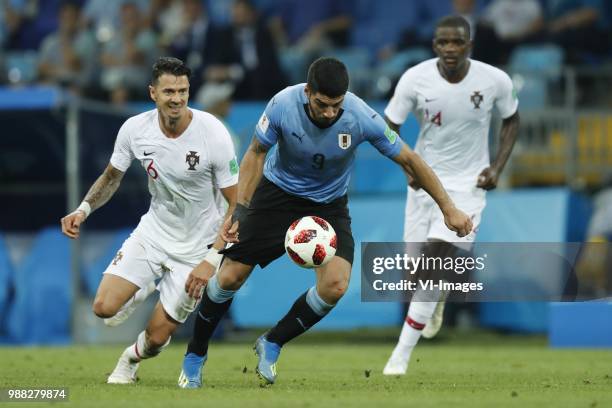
(272, 210)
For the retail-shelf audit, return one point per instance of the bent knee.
(103, 308)
(234, 276)
(333, 291)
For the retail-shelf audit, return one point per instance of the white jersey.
(454, 118)
(183, 173)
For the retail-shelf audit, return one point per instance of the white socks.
(141, 349)
(418, 314)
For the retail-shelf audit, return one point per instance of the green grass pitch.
(457, 371)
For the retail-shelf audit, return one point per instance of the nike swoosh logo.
(301, 323)
(373, 116)
(206, 319)
(430, 100)
(148, 154)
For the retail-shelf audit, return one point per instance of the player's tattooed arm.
(489, 177)
(104, 187)
(99, 193)
(251, 171)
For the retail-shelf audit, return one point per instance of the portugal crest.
(192, 159)
(476, 99)
(344, 140)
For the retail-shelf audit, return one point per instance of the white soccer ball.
(311, 242)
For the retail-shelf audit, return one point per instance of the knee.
(103, 308)
(333, 291)
(157, 340)
(232, 278)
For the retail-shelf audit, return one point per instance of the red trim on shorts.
(414, 324)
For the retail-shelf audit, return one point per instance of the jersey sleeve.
(506, 101)
(403, 100)
(122, 153)
(380, 135)
(268, 129)
(224, 162)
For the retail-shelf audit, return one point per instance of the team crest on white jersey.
(476, 99)
(344, 140)
(192, 159)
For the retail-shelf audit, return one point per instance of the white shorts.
(142, 263)
(424, 220)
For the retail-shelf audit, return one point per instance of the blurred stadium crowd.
(103, 49)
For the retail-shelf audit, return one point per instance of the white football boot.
(125, 370)
(398, 362)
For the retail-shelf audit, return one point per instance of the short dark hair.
(169, 65)
(455, 22)
(328, 76)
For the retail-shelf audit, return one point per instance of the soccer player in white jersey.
(312, 131)
(188, 155)
(452, 97)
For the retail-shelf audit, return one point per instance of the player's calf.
(333, 291)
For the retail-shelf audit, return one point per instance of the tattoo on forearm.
(257, 147)
(103, 188)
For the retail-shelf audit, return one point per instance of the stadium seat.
(21, 66)
(532, 68)
(293, 64)
(357, 61)
(92, 273)
(396, 65)
(389, 71)
(40, 313)
(6, 285)
(377, 27)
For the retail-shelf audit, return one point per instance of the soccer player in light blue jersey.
(298, 164)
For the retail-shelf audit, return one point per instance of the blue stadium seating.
(41, 309)
(293, 63)
(357, 61)
(537, 65)
(395, 66)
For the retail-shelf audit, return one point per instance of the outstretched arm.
(409, 176)
(99, 193)
(456, 220)
(489, 177)
(201, 274)
(251, 171)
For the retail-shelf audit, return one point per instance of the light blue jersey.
(315, 163)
